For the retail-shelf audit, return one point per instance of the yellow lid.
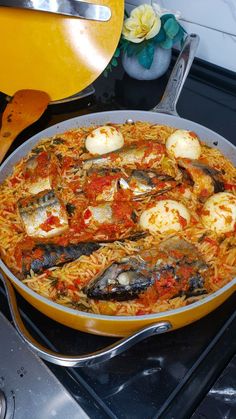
(58, 54)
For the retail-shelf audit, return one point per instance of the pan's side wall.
(123, 327)
(113, 326)
(207, 135)
(213, 20)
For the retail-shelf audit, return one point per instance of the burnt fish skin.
(44, 256)
(174, 259)
(120, 281)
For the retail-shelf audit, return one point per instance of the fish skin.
(54, 255)
(189, 251)
(34, 212)
(35, 182)
(149, 267)
(139, 281)
(206, 179)
(140, 183)
(128, 156)
(196, 287)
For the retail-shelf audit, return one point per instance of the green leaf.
(145, 56)
(164, 18)
(124, 44)
(171, 28)
(114, 62)
(135, 49)
(179, 36)
(160, 37)
(167, 44)
(131, 50)
(117, 52)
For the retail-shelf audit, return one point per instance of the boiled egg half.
(219, 212)
(183, 143)
(166, 215)
(103, 140)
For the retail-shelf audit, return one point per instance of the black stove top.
(189, 372)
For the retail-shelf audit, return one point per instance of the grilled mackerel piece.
(206, 179)
(132, 156)
(45, 256)
(143, 183)
(174, 259)
(140, 183)
(43, 215)
(120, 281)
(41, 173)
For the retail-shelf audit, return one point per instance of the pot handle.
(178, 76)
(79, 360)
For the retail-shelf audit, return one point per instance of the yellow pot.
(119, 325)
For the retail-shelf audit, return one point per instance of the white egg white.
(183, 143)
(100, 214)
(103, 140)
(219, 212)
(166, 215)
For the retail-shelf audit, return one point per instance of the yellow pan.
(119, 325)
(57, 54)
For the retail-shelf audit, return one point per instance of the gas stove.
(187, 373)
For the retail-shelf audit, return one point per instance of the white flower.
(160, 11)
(142, 24)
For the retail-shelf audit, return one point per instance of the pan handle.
(178, 76)
(79, 360)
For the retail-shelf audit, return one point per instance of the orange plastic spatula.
(25, 107)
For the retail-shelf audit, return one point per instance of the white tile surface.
(215, 46)
(217, 14)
